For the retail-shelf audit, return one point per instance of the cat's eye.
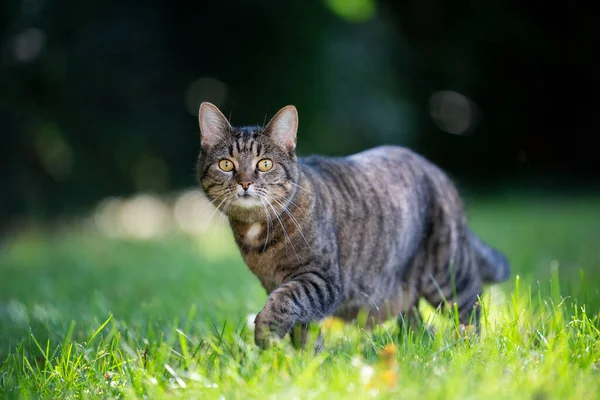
(265, 164)
(226, 165)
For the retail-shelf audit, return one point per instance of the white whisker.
(300, 187)
(294, 220)
(217, 208)
(282, 227)
(225, 208)
(282, 198)
(268, 222)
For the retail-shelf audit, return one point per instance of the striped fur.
(374, 231)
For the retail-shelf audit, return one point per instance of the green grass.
(82, 315)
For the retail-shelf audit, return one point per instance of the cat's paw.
(265, 338)
(266, 334)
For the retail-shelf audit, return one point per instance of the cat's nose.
(246, 185)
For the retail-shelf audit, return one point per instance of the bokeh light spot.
(522, 156)
(54, 152)
(107, 217)
(451, 111)
(193, 212)
(28, 44)
(144, 217)
(352, 10)
(205, 89)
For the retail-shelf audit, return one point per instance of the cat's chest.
(266, 267)
(262, 260)
(250, 236)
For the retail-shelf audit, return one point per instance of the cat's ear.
(283, 127)
(214, 127)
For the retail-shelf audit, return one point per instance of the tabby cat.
(374, 231)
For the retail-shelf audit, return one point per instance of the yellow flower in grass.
(385, 374)
(390, 377)
(332, 325)
(388, 365)
(389, 353)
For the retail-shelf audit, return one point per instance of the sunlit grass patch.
(528, 351)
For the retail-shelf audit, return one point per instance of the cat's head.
(248, 172)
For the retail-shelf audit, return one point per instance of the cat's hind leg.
(466, 287)
(407, 311)
(460, 290)
(412, 321)
(469, 308)
(454, 280)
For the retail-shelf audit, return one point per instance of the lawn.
(85, 315)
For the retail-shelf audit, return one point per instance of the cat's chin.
(248, 203)
(247, 210)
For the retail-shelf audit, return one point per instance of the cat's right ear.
(283, 126)
(214, 127)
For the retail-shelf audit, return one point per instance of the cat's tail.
(493, 265)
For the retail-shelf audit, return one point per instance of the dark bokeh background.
(100, 98)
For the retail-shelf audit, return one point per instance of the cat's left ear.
(283, 126)
(214, 127)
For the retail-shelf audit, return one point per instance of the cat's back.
(390, 159)
(390, 183)
(383, 183)
(390, 165)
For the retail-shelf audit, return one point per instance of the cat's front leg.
(307, 296)
(300, 336)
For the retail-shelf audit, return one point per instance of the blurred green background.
(100, 98)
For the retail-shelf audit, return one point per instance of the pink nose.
(246, 185)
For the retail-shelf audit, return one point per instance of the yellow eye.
(226, 165)
(265, 164)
